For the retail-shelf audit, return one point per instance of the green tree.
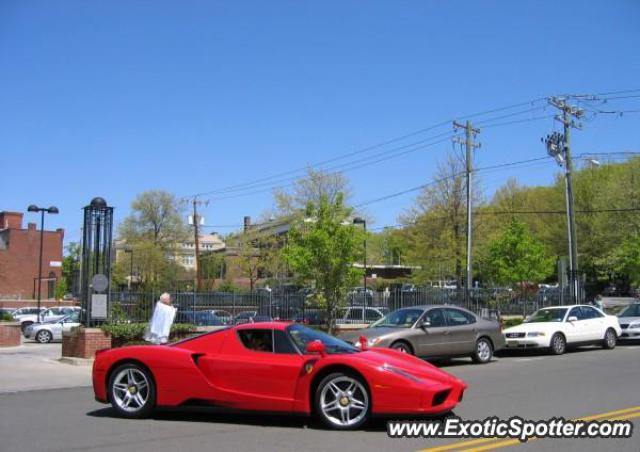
(515, 256)
(322, 249)
(315, 185)
(70, 268)
(153, 229)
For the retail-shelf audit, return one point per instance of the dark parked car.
(200, 318)
(312, 317)
(244, 317)
(434, 331)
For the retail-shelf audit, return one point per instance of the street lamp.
(363, 222)
(52, 210)
(129, 250)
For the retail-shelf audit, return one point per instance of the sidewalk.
(33, 366)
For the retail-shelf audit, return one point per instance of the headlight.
(634, 326)
(535, 334)
(397, 371)
(374, 341)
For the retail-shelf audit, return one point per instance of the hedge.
(132, 333)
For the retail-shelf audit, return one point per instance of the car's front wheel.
(483, 351)
(342, 401)
(558, 344)
(610, 338)
(44, 336)
(402, 347)
(132, 392)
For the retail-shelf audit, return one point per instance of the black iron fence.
(216, 308)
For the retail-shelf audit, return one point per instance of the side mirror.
(572, 319)
(316, 347)
(425, 324)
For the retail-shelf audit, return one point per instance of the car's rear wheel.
(132, 392)
(342, 401)
(483, 351)
(44, 336)
(610, 339)
(402, 347)
(558, 344)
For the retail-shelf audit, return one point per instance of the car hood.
(628, 319)
(370, 333)
(536, 326)
(384, 357)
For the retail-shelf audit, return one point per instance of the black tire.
(44, 336)
(483, 351)
(403, 347)
(24, 325)
(362, 393)
(116, 396)
(558, 344)
(610, 339)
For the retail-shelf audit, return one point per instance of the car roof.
(275, 325)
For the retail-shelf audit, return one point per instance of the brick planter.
(10, 334)
(84, 342)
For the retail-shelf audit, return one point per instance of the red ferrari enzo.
(274, 367)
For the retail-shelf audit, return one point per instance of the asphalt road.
(581, 383)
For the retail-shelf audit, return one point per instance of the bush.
(5, 317)
(132, 333)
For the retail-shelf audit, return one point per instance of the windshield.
(402, 318)
(547, 315)
(633, 310)
(301, 336)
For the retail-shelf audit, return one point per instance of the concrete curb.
(75, 361)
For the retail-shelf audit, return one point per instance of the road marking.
(496, 443)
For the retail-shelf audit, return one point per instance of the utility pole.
(196, 238)
(559, 147)
(470, 145)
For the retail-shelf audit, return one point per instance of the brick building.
(19, 250)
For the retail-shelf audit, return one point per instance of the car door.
(576, 331)
(462, 331)
(256, 369)
(433, 340)
(596, 325)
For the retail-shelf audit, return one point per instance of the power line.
(368, 148)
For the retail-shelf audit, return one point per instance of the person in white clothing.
(160, 325)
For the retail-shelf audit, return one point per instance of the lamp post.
(363, 222)
(129, 250)
(52, 210)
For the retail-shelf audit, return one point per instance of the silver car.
(629, 319)
(434, 332)
(52, 331)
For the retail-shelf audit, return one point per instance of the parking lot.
(586, 382)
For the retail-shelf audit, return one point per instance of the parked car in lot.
(244, 317)
(359, 314)
(223, 315)
(629, 319)
(46, 315)
(200, 318)
(52, 331)
(274, 367)
(558, 327)
(312, 317)
(434, 332)
(19, 313)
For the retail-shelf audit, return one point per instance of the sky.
(114, 98)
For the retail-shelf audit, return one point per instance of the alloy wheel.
(344, 401)
(483, 350)
(130, 390)
(43, 336)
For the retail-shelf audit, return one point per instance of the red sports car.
(273, 367)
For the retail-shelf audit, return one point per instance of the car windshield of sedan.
(633, 310)
(402, 318)
(547, 315)
(302, 335)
